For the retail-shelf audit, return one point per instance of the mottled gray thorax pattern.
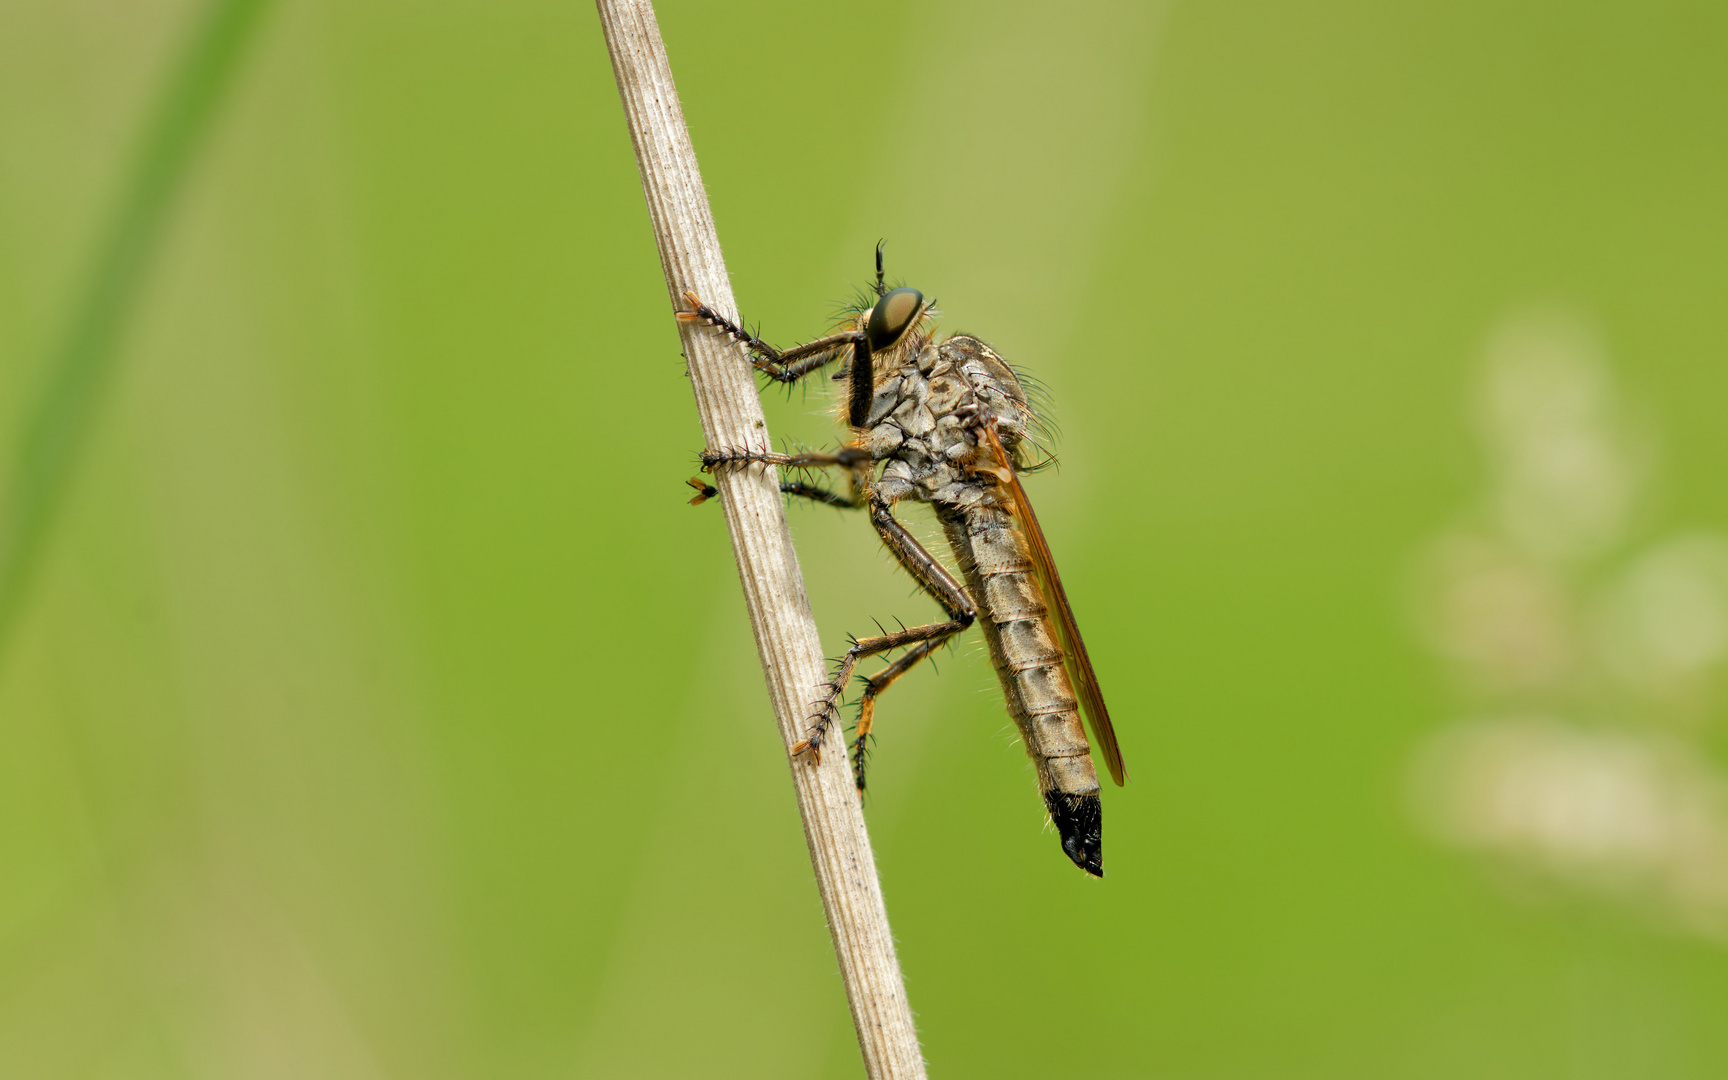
(931, 401)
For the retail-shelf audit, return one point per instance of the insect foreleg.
(787, 366)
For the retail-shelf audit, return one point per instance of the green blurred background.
(378, 708)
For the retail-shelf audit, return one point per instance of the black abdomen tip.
(1079, 821)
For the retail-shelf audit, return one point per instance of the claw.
(704, 492)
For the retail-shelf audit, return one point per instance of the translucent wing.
(1079, 664)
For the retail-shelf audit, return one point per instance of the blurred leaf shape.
(80, 364)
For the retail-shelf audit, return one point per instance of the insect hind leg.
(827, 709)
(874, 687)
(935, 580)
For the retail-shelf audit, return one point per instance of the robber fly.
(948, 423)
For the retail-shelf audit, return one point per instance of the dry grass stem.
(786, 638)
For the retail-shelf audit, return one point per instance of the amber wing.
(1079, 664)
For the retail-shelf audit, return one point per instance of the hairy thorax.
(931, 403)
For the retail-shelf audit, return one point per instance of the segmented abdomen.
(1024, 648)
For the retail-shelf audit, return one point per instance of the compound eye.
(892, 317)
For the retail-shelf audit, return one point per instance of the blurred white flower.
(1664, 624)
(1589, 672)
(1643, 818)
(1501, 618)
(1563, 468)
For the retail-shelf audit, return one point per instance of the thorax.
(930, 405)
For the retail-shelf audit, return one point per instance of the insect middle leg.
(850, 458)
(936, 581)
(795, 488)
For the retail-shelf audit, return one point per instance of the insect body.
(949, 423)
